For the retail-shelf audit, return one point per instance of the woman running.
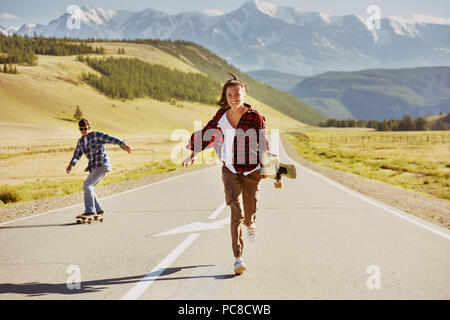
(238, 134)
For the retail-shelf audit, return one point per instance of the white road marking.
(217, 212)
(142, 285)
(195, 226)
(444, 233)
(40, 214)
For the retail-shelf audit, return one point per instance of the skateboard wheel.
(89, 221)
(95, 218)
(101, 220)
(78, 221)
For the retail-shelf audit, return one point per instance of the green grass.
(46, 189)
(422, 168)
(43, 188)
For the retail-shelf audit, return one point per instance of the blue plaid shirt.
(95, 150)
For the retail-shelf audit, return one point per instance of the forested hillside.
(23, 49)
(216, 67)
(134, 78)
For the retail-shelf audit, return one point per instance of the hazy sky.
(17, 12)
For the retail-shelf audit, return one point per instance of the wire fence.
(415, 139)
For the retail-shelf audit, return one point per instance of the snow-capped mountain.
(8, 31)
(3, 30)
(261, 35)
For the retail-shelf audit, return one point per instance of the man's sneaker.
(239, 266)
(88, 214)
(84, 215)
(101, 213)
(251, 233)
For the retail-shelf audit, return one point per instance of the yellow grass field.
(38, 133)
(418, 160)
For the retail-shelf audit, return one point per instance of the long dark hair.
(223, 102)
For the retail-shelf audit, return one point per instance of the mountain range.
(279, 80)
(378, 94)
(261, 35)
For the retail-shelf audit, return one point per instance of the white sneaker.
(239, 266)
(251, 232)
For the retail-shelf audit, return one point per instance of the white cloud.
(8, 16)
(213, 12)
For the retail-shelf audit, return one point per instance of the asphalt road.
(171, 240)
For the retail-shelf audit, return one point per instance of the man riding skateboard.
(92, 145)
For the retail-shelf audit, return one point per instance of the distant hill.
(46, 96)
(209, 63)
(439, 122)
(378, 94)
(279, 80)
(431, 118)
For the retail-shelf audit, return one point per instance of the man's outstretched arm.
(106, 138)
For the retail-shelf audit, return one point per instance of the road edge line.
(106, 197)
(399, 213)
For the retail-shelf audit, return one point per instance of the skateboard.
(272, 168)
(89, 219)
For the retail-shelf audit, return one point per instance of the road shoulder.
(30, 208)
(427, 208)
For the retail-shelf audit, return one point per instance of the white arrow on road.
(195, 226)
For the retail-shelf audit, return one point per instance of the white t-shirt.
(85, 141)
(228, 143)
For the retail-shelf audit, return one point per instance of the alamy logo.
(74, 279)
(252, 139)
(373, 21)
(74, 20)
(374, 280)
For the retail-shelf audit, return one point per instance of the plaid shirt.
(95, 150)
(250, 140)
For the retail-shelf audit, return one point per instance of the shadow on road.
(40, 226)
(36, 289)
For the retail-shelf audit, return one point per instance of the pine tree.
(406, 124)
(383, 126)
(420, 124)
(78, 113)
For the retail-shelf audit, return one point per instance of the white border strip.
(218, 211)
(392, 210)
(107, 197)
(142, 285)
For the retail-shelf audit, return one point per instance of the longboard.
(83, 219)
(272, 168)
